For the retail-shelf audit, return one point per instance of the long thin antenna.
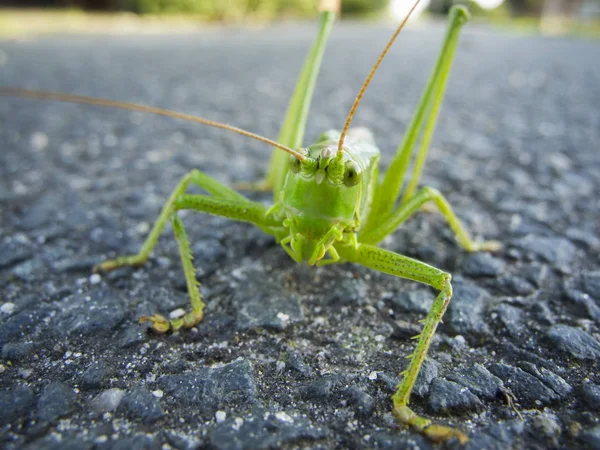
(71, 98)
(370, 76)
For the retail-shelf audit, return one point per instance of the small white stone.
(220, 416)
(95, 278)
(157, 393)
(39, 140)
(142, 228)
(284, 417)
(107, 400)
(319, 321)
(179, 312)
(237, 423)
(460, 340)
(7, 308)
(372, 376)
(280, 366)
(25, 373)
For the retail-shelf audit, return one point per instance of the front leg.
(405, 267)
(225, 203)
(242, 210)
(196, 177)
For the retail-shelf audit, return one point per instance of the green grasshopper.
(330, 205)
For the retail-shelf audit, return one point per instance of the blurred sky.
(400, 8)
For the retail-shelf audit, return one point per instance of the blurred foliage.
(363, 7)
(225, 10)
(232, 10)
(218, 10)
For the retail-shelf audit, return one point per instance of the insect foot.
(162, 325)
(488, 246)
(437, 433)
(112, 264)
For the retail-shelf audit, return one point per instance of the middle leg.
(406, 210)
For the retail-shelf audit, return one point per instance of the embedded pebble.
(208, 389)
(266, 307)
(478, 380)
(263, 431)
(447, 397)
(528, 389)
(95, 376)
(591, 393)
(15, 403)
(363, 403)
(107, 401)
(57, 400)
(7, 308)
(140, 404)
(483, 265)
(466, 313)
(575, 342)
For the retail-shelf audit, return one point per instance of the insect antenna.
(72, 98)
(370, 76)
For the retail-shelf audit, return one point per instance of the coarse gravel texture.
(290, 356)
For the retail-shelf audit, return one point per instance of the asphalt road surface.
(291, 356)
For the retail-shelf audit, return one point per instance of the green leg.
(405, 267)
(406, 210)
(159, 323)
(389, 189)
(292, 130)
(243, 210)
(210, 185)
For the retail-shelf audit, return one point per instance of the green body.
(316, 206)
(333, 207)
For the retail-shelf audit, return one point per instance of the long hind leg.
(426, 115)
(292, 130)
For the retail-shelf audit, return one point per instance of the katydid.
(330, 205)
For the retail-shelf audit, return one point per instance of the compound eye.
(352, 174)
(295, 164)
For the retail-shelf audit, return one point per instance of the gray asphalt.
(290, 356)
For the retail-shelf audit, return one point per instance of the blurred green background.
(545, 16)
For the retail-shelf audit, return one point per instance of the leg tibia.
(402, 395)
(190, 319)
